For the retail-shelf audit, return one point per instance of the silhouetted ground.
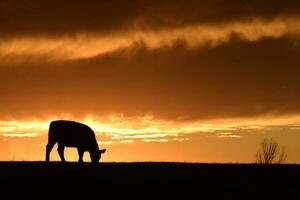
(39, 180)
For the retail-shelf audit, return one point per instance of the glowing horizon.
(119, 126)
(117, 129)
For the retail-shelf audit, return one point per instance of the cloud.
(127, 141)
(181, 139)
(118, 129)
(235, 79)
(87, 46)
(18, 134)
(208, 59)
(105, 142)
(156, 140)
(227, 135)
(54, 17)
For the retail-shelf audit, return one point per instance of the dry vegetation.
(270, 152)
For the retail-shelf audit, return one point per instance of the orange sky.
(157, 81)
(145, 138)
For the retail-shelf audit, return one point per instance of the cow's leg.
(60, 151)
(80, 154)
(49, 147)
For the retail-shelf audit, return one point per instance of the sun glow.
(117, 128)
(142, 135)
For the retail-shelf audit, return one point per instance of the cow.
(73, 134)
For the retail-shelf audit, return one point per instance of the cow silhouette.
(73, 134)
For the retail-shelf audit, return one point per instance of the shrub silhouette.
(270, 152)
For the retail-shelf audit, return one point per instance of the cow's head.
(95, 156)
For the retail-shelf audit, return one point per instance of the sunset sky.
(159, 80)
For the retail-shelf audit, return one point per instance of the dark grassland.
(39, 180)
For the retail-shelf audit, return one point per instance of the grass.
(39, 180)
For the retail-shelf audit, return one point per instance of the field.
(39, 180)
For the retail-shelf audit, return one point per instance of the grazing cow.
(73, 134)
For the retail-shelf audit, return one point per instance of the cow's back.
(71, 134)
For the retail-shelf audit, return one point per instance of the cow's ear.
(102, 150)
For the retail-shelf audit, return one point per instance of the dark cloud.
(236, 79)
(55, 17)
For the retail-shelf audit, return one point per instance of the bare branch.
(270, 151)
